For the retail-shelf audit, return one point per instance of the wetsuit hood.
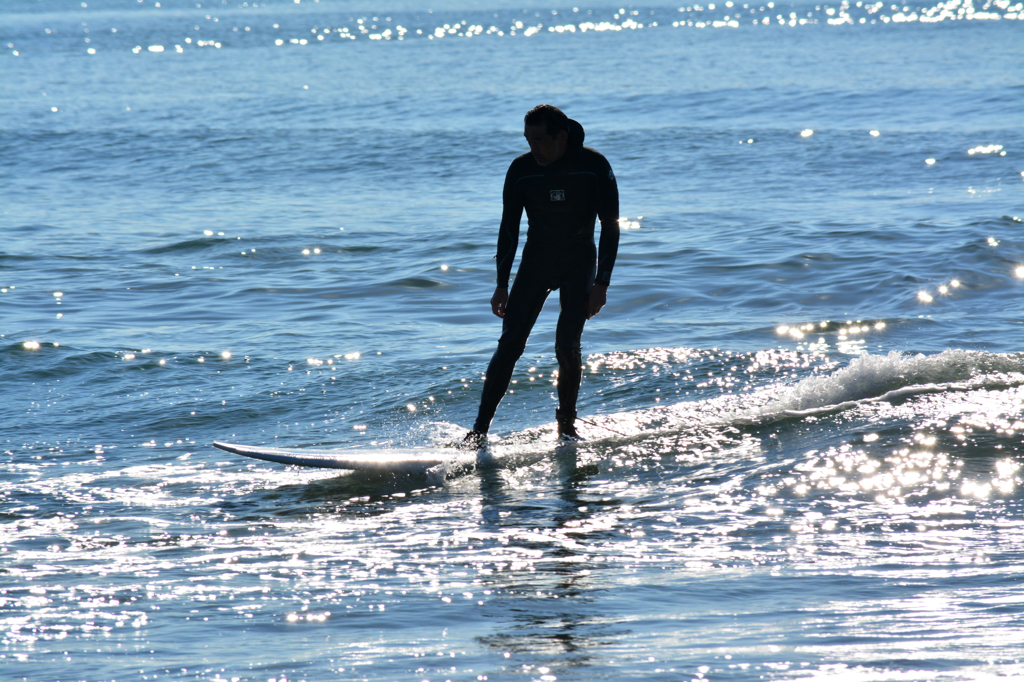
(576, 137)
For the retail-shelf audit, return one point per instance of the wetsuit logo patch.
(558, 195)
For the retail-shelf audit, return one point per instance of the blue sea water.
(274, 223)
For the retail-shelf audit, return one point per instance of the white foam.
(874, 378)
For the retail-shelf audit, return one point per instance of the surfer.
(564, 187)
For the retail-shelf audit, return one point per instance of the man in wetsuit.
(563, 186)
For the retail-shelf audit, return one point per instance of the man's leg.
(573, 316)
(525, 301)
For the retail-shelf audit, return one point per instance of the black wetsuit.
(562, 201)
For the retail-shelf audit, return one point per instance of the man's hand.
(499, 301)
(598, 297)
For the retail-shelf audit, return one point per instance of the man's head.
(547, 132)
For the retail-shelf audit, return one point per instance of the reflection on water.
(519, 556)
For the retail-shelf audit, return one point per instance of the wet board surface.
(412, 460)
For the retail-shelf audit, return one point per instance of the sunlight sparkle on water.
(927, 462)
(903, 472)
(987, 149)
(728, 16)
(842, 332)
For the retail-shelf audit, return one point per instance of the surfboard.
(407, 461)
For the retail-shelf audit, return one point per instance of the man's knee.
(512, 345)
(568, 354)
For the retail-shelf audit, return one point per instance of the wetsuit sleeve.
(608, 212)
(508, 232)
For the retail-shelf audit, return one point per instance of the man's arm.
(508, 242)
(607, 251)
(608, 247)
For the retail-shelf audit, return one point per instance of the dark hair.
(551, 116)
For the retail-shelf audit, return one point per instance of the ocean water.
(274, 223)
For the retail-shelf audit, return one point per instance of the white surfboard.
(407, 461)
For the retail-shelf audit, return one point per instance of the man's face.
(545, 148)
